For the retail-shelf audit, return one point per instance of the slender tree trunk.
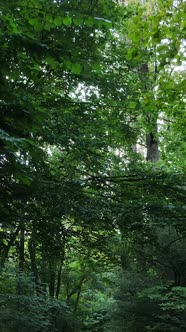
(32, 252)
(52, 278)
(152, 148)
(19, 288)
(58, 287)
(78, 295)
(22, 246)
(151, 140)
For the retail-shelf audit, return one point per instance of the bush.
(23, 311)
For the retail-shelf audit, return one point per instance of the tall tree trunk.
(78, 294)
(19, 285)
(22, 246)
(32, 252)
(52, 277)
(152, 148)
(151, 141)
(58, 287)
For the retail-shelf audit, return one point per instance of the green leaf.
(107, 24)
(38, 25)
(132, 104)
(67, 20)
(96, 66)
(77, 21)
(58, 20)
(52, 62)
(25, 179)
(76, 68)
(101, 22)
(89, 22)
(129, 55)
(33, 21)
(67, 64)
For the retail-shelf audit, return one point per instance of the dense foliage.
(92, 165)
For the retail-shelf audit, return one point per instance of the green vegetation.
(92, 166)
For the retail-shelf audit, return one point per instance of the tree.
(82, 88)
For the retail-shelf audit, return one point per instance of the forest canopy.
(92, 166)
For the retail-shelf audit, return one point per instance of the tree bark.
(32, 252)
(22, 246)
(78, 294)
(58, 287)
(152, 148)
(52, 278)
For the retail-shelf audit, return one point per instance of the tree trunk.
(52, 278)
(58, 287)
(152, 148)
(22, 246)
(32, 252)
(78, 294)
